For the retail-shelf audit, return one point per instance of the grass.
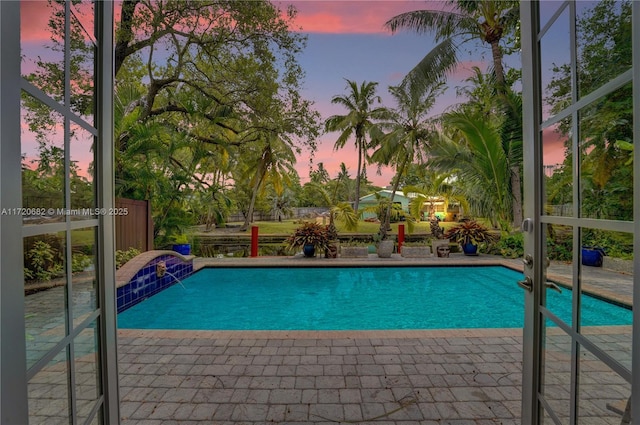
(288, 226)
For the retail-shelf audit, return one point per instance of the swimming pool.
(352, 299)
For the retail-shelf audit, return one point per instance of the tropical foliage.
(606, 125)
(358, 122)
(209, 119)
(470, 232)
(409, 131)
(309, 233)
(207, 94)
(490, 21)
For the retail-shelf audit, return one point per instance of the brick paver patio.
(391, 377)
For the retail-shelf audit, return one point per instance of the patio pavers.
(388, 377)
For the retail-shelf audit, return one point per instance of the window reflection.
(606, 169)
(603, 40)
(557, 169)
(555, 69)
(43, 156)
(45, 290)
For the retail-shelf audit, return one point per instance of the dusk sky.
(347, 39)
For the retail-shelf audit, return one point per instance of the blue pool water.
(352, 298)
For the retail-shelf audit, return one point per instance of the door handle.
(527, 283)
(551, 285)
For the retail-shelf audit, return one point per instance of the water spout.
(177, 280)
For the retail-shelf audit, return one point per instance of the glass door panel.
(81, 173)
(603, 41)
(43, 162)
(606, 166)
(603, 395)
(558, 169)
(84, 288)
(555, 58)
(87, 371)
(578, 111)
(48, 393)
(45, 289)
(606, 298)
(556, 374)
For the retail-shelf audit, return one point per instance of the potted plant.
(469, 234)
(384, 246)
(181, 244)
(309, 236)
(592, 256)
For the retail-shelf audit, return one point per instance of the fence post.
(254, 241)
(400, 237)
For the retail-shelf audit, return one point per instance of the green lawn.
(288, 226)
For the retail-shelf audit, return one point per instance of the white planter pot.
(385, 248)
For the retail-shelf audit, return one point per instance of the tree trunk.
(386, 223)
(517, 196)
(248, 219)
(125, 33)
(356, 201)
(498, 68)
(515, 170)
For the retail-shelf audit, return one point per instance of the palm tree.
(274, 163)
(338, 210)
(408, 138)
(434, 185)
(487, 20)
(473, 147)
(358, 122)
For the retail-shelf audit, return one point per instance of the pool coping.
(348, 334)
(356, 334)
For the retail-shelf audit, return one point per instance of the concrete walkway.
(456, 377)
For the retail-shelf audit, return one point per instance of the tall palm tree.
(358, 122)
(409, 132)
(487, 20)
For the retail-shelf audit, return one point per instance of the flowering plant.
(470, 231)
(309, 233)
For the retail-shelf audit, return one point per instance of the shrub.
(43, 262)
(123, 256)
(309, 233)
(79, 262)
(469, 231)
(509, 246)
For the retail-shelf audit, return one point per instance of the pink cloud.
(34, 21)
(553, 149)
(331, 160)
(464, 69)
(352, 17)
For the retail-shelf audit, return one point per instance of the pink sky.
(347, 40)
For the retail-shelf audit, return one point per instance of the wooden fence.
(135, 229)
